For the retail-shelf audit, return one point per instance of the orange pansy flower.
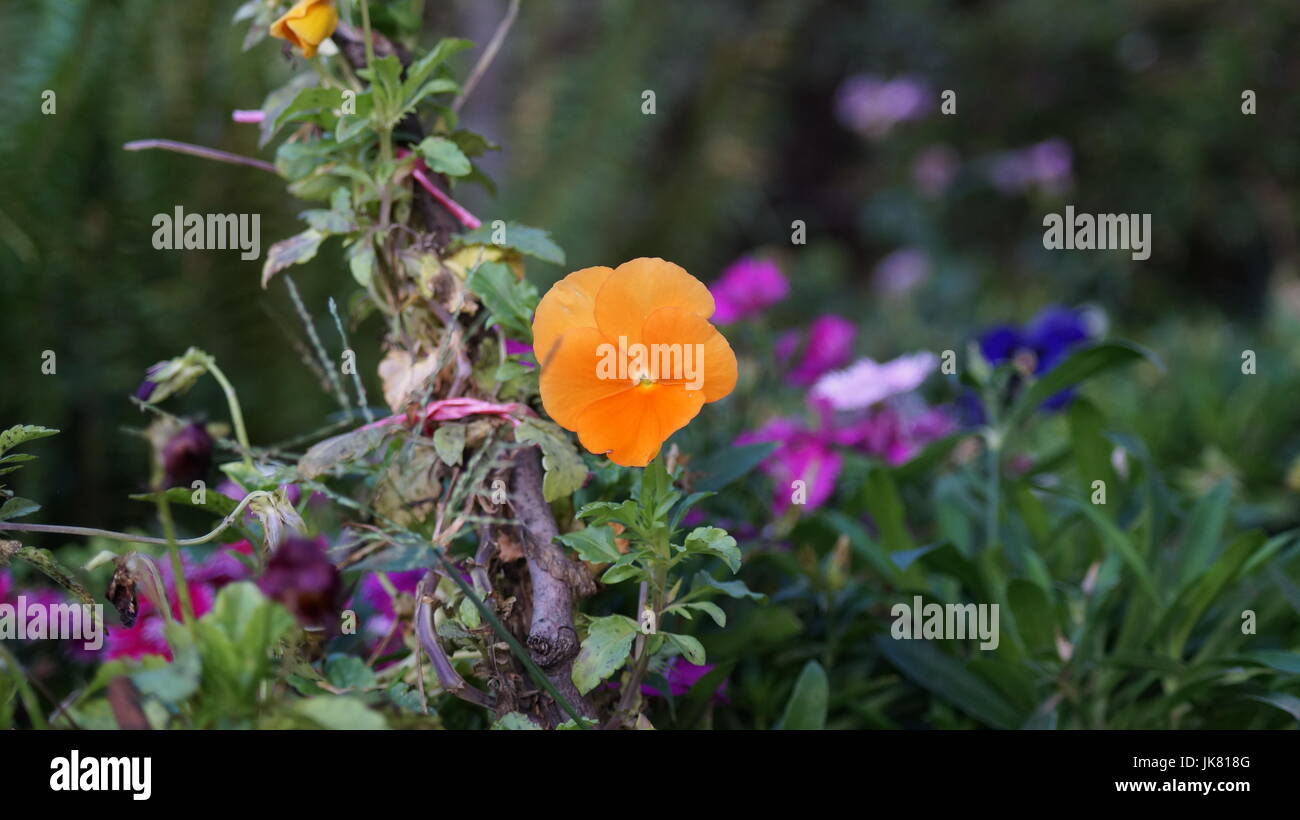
(308, 24)
(629, 357)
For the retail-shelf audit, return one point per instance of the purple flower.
(934, 169)
(895, 433)
(746, 288)
(1048, 338)
(901, 271)
(802, 455)
(829, 345)
(1047, 165)
(375, 594)
(301, 576)
(187, 456)
(682, 675)
(872, 106)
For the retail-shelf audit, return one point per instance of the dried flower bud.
(301, 576)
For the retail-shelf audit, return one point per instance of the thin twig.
(92, 532)
(200, 151)
(356, 374)
(339, 393)
(489, 54)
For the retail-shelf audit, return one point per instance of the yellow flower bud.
(307, 24)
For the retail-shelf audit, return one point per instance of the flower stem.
(236, 414)
(178, 569)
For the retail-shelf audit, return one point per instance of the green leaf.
(565, 469)
(510, 300)
(689, 646)
(21, 433)
(946, 677)
(17, 507)
(533, 242)
(1203, 532)
(1118, 542)
(808, 703)
(730, 463)
(173, 682)
(420, 70)
(340, 712)
(1278, 659)
(444, 156)
(214, 502)
(1287, 703)
(1034, 618)
(1078, 367)
(449, 442)
(309, 99)
(705, 584)
(348, 672)
(292, 251)
(515, 721)
(714, 541)
(595, 544)
(713, 610)
(608, 642)
(886, 509)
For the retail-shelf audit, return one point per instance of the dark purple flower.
(746, 288)
(301, 576)
(187, 456)
(1048, 338)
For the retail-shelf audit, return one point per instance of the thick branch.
(556, 581)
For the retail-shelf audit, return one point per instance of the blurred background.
(921, 227)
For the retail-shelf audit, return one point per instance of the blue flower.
(1048, 338)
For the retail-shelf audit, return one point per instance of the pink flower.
(866, 383)
(254, 116)
(746, 288)
(829, 345)
(934, 169)
(803, 455)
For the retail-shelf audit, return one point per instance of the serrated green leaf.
(533, 242)
(690, 647)
(449, 442)
(605, 649)
(22, 433)
(714, 541)
(595, 544)
(444, 156)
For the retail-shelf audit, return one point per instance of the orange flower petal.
(307, 24)
(715, 374)
(640, 287)
(570, 381)
(632, 425)
(567, 305)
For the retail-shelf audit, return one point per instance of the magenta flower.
(802, 455)
(682, 675)
(829, 345)
(746, 288)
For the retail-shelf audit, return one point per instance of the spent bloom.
(746, 288)
(644, 304)
(187, 456)
(308, 24)
(301, 576)
(901, 272)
